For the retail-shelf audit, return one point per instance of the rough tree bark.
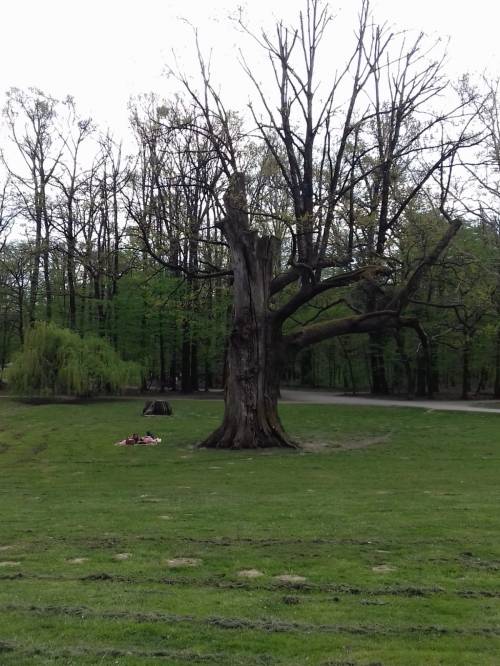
(256, 352)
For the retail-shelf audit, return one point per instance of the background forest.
(120, 240)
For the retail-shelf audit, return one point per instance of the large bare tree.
(353, 156)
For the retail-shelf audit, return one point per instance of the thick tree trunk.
(256, 354)
(251, 418)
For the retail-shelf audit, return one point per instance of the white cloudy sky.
(101, 51)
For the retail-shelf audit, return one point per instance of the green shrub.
(57, 361)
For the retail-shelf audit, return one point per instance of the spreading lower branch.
(308, 292)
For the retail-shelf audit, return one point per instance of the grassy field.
(387, 528)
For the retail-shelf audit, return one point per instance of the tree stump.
(157, 408)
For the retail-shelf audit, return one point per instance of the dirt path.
(325, 398)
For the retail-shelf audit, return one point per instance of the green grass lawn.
(398, 542)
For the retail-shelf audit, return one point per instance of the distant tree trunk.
(6, 335)
(163, 367)
(46, 268)
(307, 368)
(331, 365)
(194, 378)
(209, 376)
(482, 380)
(434, 369)
(35, 271)
(207, 342)
(71, 282)
(48, 287)
(186, 357)
(349, 382)
(84, 302)
(421, 389)
(98, 305)
(20, 321)
(466, 382)
(173, 370)
(405, 362)
(377, 364)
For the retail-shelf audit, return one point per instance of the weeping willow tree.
(57, 361)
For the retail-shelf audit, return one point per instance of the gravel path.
(325, 398)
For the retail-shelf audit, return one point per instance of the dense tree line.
(342, 234)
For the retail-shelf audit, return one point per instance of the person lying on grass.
(146, 440)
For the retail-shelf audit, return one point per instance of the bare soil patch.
(290, 578)
(250, 573)
(383, 568)
(180, 562)
(316, 446)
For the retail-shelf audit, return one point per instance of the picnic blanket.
(135, 440)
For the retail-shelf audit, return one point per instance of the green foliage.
(57, 361)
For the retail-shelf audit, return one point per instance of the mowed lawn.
(388, 528)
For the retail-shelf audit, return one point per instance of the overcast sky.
(102, 51)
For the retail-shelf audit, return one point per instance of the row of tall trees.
(102, 242)
(355, 210)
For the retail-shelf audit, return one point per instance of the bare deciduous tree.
(328, 154)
